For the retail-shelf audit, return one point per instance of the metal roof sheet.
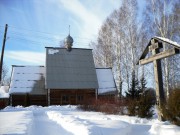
(70, 69)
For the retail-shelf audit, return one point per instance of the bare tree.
(129, 32)
(118, 43)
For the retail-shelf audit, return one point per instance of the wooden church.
(68, 77)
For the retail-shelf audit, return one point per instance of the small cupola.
(68, 42)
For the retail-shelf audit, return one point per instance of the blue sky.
(34, 24)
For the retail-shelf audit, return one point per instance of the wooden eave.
(178, 47)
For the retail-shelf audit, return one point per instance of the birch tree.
(117, 43)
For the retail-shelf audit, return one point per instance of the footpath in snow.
(68, 120)
(42, 125)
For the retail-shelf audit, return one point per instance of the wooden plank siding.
(57, 97)
(18, 99)
(38, 100)
(4, 102)
(27, 100)
(73, 97)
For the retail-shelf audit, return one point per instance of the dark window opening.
(80, 98)
(65, 98)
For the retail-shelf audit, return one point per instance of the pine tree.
(140, 101)
(132, 95)
(134, 90)
(145, 101)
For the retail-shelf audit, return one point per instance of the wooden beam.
(155, 46)
(160, 98)
(158, 56)
(152, 41)
(145, 52)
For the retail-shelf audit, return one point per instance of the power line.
(32, 30)
(37, 38)
(47, 32)
(27, 35)
(40, 38)
(33, 36)
(32, 41)
(43, 43)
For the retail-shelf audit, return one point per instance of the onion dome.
(68, 42)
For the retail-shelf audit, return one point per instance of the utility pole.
(2, 53)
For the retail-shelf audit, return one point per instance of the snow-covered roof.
(175, 44)
(4, 93)
(31, 79)
(27, 79)
(105, 80)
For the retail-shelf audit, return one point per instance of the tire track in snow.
(83, 123)
(69, 122)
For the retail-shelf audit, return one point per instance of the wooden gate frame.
(155, 46)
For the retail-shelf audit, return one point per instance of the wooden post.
(2, 53)
(10, 96)
(160, 99)
(49, 102)
(96, 93)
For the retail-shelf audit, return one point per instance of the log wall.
(73, 97)
(27, 100)
(57, 97)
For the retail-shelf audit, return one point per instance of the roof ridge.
(28, 66)
(66, 48)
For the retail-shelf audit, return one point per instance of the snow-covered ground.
(4, 91)
(68, 120)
